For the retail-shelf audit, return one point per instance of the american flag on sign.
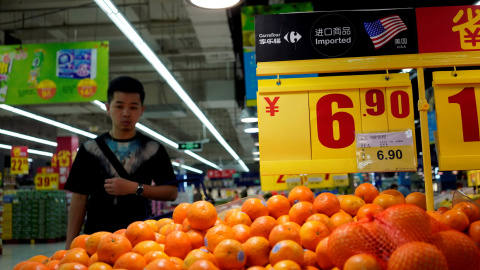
(383, 30)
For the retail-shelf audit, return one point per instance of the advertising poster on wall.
(53, 72)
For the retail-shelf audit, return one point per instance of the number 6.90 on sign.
(308, 125)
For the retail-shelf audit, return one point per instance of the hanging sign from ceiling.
(457, 103)
(46, 178)
(19, 160)
(308, 125)
(334, 34)
(53, 73)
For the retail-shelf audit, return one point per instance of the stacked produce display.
(365, 230)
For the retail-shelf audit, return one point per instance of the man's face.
(125, 110)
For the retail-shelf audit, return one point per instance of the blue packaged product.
(77, 63)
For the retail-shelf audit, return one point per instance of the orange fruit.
(323, 219)
(368, 210)
(19, 265)
(146, 246)
(38, 258)
(301, 194)
(242, 232)
(417, 198)
(474, 231)
(173, 227)
(469, 209)
(309, 258)
(160, 264)
(385, 200)
(152, 223)
(139, 231)
(28, 265)
(340, 218)
(435, 214)
(286, 231)
(201, 215)
(130, 261)
(164, 221)
(100, 266)
(395, 193)
(91, 243)
(455, 219)
(229, 212)
(286, 250)
(203, 265)
(52, 265)
(417, 256)
(301, 211)
(111, 247)
(312, 233)
(362, 261)
(459, 250)
(321, 253)
(77, 255)
(278, 205)
(196, 238)
(230, 254)
(255, 208)
(219, 221)
(59, 254)
(216, 235)
(120, 231)
(79, 241)
(159, 238)
(71, 266)
(177, 244)
(239, 217)
(351, 204)
(186, 225)
(287, 265)
(326, 203)
(262, 226)
(283, 218)
(153, 255)
(177, 263)
(257, 250)
(256, 268)
(196, 255)
(442, 209)
(367, 192)
(180, 213)
(93, 259)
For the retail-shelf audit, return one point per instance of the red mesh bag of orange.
(403, 234)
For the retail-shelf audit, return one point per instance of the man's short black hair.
(125, 84)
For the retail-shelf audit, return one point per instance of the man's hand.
(120, 186)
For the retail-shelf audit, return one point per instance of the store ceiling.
(200, 47)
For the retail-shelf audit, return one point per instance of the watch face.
(140, 189)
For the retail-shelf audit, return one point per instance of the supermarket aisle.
(15, 253)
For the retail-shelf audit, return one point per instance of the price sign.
(46, 178)
(293, 182)
(308, 125)
(457, 103)
(19, 160)
(393, 151)
(279, 182)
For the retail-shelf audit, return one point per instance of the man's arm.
(120, 186)
(76, 216)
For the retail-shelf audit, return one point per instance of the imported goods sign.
(53, 73)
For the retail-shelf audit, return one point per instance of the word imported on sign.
(393, 151)
(194, 146)
(308, 125)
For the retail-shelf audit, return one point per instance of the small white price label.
(293, 182)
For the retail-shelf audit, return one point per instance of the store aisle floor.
(15, 253)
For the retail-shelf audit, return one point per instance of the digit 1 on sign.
(326, 118)
(468, 111)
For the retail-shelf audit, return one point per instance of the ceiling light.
(256, 158)
(187, 167)
(26, 137)
(122, 23)
(255, 151)
(257, 144)
(214, 4)
(251, 128)
(32, 151)
(406, 70)
(249, 115)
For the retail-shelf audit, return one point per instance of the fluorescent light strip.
(187, 167)
(32, 151)
(110, 9)
(190, 153)
(26, 137)
(48, 121)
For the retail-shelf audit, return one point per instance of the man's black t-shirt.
(143, 158)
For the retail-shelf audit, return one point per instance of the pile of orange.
(301, 231)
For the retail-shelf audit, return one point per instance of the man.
(109, 201)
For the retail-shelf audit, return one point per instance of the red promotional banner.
(217, 174)
(448, 29)
(66, 151)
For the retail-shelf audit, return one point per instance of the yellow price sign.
(457, 103)
(46, 178)
(308, 125)
(19, 160)
(380, 152)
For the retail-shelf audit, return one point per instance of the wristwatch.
(139, 189)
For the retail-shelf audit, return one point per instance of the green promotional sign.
(53, 73)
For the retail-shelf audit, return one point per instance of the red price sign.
(19, 160)
(313, 127)
(46, 178)
(457, 102)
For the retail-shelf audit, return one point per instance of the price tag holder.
(387, 151)
(46, 178)
(293, 182)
